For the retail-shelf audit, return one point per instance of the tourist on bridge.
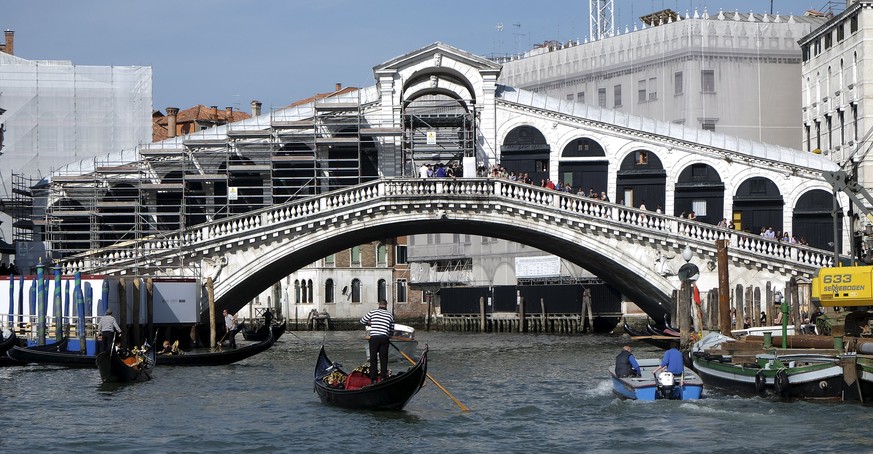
(625, 363)
(381, 324)
(107, 328)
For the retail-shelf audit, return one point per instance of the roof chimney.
(228, 111)
(256, 108)
(214, 113)
(171, 121)
(339, 86)
(9, 48)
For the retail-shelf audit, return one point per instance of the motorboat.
(664, 385)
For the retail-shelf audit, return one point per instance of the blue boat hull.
(645, 387)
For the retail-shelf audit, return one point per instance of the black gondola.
(216, 358)
(7, 343)
(51, 355)
(391, 394)
(665, 331)
(259, 334)
(647, 338)
(115, 366)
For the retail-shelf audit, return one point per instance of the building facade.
(57, 113)
(735, 73)
(837, 116)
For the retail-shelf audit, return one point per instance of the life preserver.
(781, 382)
(696, 294)
(760, 381)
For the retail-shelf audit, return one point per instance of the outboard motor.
(666, 385)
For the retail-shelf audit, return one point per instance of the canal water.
(527, 393)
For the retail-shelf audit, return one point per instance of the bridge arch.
(624, 268)
(641, 177)
(248, 185)
(813, 219)
(699, 188)
(524, 149)
(583, 164)
(119, 211)
(421, 82)
(171, 210)
(758, 204)
(76, 231)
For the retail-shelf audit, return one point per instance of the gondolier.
(381, 324)
(107, 328)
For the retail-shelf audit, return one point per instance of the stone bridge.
(635, 251)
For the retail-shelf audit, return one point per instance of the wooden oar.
(456, 401)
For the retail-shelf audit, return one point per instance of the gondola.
(50, 355)
(665, 331)
(7, 343)
(335, 387)
(59, 346)
(647, 338)
(124, 367)
(261, 332)
(216, 358)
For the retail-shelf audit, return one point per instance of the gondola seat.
(357, 380)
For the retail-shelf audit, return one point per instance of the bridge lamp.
(687, 253)
(689, 271)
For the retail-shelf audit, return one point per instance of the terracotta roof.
(201, 112)
(196, 113)
(324, 95)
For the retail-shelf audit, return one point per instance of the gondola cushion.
(357, 380)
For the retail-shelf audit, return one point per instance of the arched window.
(311, 291)
(383, 290)
(328, 291)
(356, 291)
(356, 256)
(401, 290)
(303, 291)
(296, 291)
(381, 255)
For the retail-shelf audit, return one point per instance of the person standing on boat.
(381, 324)
(625, 363)
(107, 328)
(672, 362)
(230, 328)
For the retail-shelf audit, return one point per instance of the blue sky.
(229, 52)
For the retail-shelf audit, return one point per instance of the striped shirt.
(381, 322)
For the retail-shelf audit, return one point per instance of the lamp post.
(688, 273)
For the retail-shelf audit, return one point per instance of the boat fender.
(760, 381)
(780, 382)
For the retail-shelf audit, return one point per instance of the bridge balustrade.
(572, 205)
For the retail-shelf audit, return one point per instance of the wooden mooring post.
(522, 326)
(481, 314)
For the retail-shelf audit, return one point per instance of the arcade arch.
(525, 150)
(757, 205)
(813, 220)
(584, 166)
(699, 188)
(641, 178)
